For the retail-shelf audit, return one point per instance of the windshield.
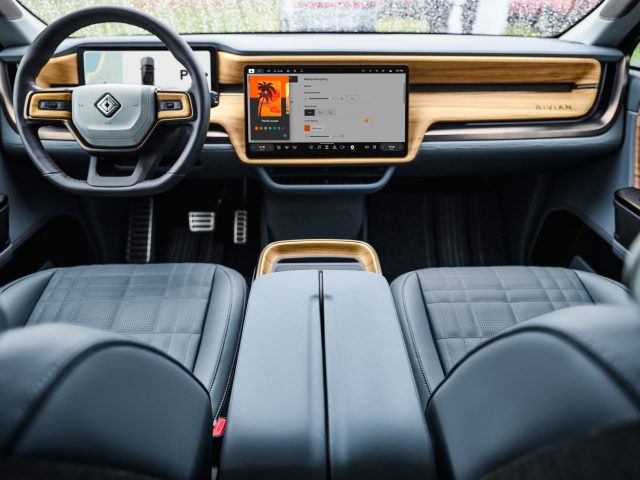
(544, 18)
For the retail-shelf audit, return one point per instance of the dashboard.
(540, 92)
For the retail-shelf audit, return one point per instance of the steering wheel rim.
(43, 48)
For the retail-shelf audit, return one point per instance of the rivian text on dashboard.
(326, 111)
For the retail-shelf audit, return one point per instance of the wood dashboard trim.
(429, 108)
(318, 248)
(436, 69)
(425, 108)
(59, 71)
(63, 70)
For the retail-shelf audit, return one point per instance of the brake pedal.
(240, 227)
(140, 230)
(202, 222)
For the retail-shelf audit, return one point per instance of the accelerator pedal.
(240, 227)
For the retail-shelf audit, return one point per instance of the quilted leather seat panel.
(466, 306)
(447, 312)
(163, 305)
(192, 312)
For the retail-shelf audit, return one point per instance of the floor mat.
(413, 229)
(176, 243)
(182, 245)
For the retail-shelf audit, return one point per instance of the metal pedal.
(140, 230)
(202, 221)
(240, 227)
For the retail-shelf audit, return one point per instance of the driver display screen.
(124, 66)
(334, 111)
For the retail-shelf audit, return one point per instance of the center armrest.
(376, 425)
(276, 413)
(323, 385)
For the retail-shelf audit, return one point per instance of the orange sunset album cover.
(267, 92)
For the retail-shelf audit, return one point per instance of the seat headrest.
(88, 397)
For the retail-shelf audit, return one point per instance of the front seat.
(192, 312)
(445, 313)
(79, 403)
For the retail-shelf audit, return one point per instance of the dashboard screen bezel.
(322, 153)
(213, 54)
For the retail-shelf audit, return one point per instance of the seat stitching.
(77, 305)
(53, 281)
(465, 337)
(489, 289)
(474, 315)
(235, 355)
(510, 303)
(140, 332)
(206, 311)
(226, 329)
(463, 283)
(18, 281)
(411, 334)
(159, 306)
(139, 298)
(562, 290)
(430, 325)
(499, 302)
(123, 296)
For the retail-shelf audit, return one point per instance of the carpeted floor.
(176, 243)
(414, 229)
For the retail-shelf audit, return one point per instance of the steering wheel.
(114, 121)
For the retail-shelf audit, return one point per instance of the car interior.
(277, 239)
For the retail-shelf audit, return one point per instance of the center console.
(323, 386)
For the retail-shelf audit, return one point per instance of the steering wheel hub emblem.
(108, 105)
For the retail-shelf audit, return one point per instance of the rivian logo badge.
(555, 107)
(108, 105)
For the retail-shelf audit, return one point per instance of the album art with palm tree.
(269, 104)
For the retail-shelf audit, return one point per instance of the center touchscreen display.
(326, 111)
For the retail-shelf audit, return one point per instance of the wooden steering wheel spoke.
(47, 105)
(173, 105)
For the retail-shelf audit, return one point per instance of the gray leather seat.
(192, 312)
(533, 401)
(80, 403)
(447, 312)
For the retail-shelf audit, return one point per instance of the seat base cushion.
(192, 312)
(447, 312)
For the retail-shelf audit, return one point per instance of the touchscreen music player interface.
(334, 111)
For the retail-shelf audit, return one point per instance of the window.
(541, 18)
(635, 57)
